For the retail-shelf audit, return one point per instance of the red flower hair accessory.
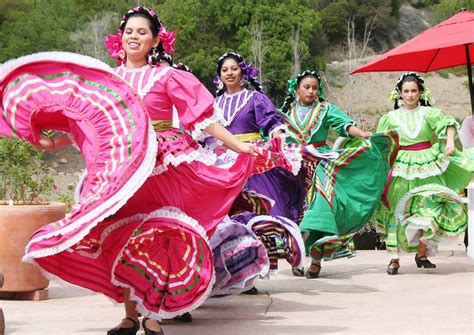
(113, 43)
(167, 39)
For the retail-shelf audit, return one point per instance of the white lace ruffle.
(282, 127)
(107, 208)
(415, 224)
(198, 134)
(203, 156)
(416, 175)
(146, 89)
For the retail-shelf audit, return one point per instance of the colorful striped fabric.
(240, 258)
(436, 210)
(108, 242)
(79, 95)
(281, 237)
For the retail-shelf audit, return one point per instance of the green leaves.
(24, 178)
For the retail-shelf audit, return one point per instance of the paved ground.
(354, 296)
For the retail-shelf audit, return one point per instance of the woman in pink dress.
(151, 198)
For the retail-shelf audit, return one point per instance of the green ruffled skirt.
(423, 199)
(344, 194)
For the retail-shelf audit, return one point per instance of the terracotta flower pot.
(17, 224)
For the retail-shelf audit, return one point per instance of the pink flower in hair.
(167, 39)
(113, 43)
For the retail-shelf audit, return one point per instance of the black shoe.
(185, 318)
(424, 262)
(252, 291)
(393, 270)
(298, 272)
(125, 331)
(311, 274)
(149, 331)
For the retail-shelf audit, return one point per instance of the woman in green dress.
(421, 204)
(342, 191)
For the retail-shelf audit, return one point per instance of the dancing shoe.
(149, 331)
(311, 274)
(125, 331)
(423, 261)
(185, 318)
(298, 272)
(393, 270)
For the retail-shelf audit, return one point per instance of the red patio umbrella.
(448, 44)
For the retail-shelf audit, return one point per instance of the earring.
(122, 54)
(220, 86)
(153, 57)
(242, 82)
(297, 97)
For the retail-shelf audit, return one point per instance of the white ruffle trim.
(151, 82)
(431, 173)
(174, 213)
(282, 127)
(107, 208)
(58, 56)
(346, 128)
(456, 126)
(203, 156)
(198, 134)
(415, 224)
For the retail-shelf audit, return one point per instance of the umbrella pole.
(469, 74)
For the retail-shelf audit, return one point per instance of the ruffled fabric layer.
(281, 237)
(344, 194)
(120, 232)
(240, 258)
(429, 213)
(163, 257)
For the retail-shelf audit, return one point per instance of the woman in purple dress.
(251, 116)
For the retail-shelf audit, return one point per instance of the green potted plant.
(25, 188)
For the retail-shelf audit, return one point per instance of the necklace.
(303, 111)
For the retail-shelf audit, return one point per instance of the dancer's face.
(410, 94)
(308, 90)
(231, 75)
(138, 39)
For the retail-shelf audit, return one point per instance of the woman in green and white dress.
(421, 203)
(343, 191)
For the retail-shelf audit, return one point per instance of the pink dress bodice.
(163, 86)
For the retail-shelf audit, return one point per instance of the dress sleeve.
(338, 120)
(194, 103)
(384, 123)
(266, 115)
(440, 122)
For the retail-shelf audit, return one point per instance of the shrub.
(24, 177)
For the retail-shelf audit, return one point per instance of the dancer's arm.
(449, 148)
(219, 132)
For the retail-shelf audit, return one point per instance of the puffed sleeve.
(338, 120)
(384, 123)
(266, 115)
(440, 122)
(194, 103)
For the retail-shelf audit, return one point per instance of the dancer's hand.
(246, 148)
(366, 134)
(449, 148)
